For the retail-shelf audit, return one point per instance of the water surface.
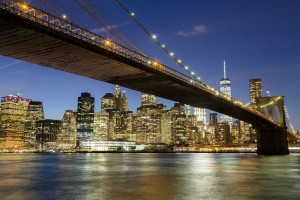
(149, 176)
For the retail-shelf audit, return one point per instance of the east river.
(138, 176)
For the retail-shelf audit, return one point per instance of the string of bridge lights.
(270, 103)
(153, 37)
(285, 110)
(288, 117)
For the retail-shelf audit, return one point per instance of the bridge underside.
(26, 40)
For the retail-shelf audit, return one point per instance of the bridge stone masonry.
(32, 35)
(275, 139)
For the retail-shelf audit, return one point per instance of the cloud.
(10, 64)
(195, 31)
(102, 30)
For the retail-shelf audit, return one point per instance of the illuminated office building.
(213, 118)
(108, 102)
(123, 124)
(166, 127)
(148, 99)
(177, 109)
(120, 100)
(179, 129)
(200, 114)
(255, 89)
(46, 133)
(85, 117)
(13, 114)
(183, 127)
(124, 103)
(147, 123)
(67, 137)
(223, 133)
(235, 132)
(118, 97)
(212, 130)
(35, 112)
(195, 135)
(187, 109)
(101, 126)
(225, 88)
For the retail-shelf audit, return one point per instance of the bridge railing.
(67, 27)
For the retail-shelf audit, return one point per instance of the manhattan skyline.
(258, 39)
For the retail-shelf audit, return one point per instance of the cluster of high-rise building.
(22, 123)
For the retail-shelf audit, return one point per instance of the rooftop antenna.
(224, 69)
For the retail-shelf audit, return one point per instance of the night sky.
(257, 38)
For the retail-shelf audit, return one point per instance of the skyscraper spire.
(224, 69)
(225, 88)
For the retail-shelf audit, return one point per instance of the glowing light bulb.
(64, 16)
(154, 36)
(171, 54)
(132, 14)
(186, 67)
(163, 46)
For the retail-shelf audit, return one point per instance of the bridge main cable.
(111, 27)
(100, 23)
(153, 37)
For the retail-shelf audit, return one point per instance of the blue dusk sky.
(257, 38)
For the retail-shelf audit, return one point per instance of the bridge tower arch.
(270, 103)
(272, 140)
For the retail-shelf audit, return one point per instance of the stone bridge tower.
(272, 140)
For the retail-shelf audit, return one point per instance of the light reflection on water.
(149, 176)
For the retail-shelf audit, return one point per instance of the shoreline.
(139, 152)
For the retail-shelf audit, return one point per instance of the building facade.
(47, 132)
(85, 118)
(101, 126)
(255, 90)
(35, 112)
(213, 118)
(67, 137)
(13, 115)
(225, 88)
(200, 114)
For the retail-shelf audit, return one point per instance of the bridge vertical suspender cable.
(111, 27)
(100, 23)
(288, 118)
(52, 8)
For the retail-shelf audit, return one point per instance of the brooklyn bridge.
(33, 35)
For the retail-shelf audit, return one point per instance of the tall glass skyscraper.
(225, 87)
(35, 112)
(200, 114)
(85, 118)
(255, 88)
(67, 137)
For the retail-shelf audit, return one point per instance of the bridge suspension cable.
(107, 26)
(52, 8)
(161, 45)
(98, 21)
(288, 118)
